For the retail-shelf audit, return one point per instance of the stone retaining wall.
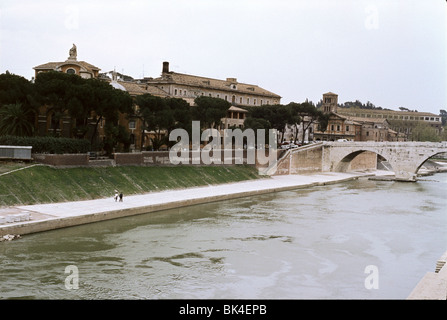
(75, 160)
(149, 158)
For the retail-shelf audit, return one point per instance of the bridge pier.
(405, 176)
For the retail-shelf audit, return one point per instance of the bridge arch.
(425, 159)
(344, 165)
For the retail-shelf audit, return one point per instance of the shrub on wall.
(48, 144)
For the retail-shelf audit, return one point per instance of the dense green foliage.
(48, 144)
(83, 100)
(161, 114)
(209, 111)
(278, 116)
(16, 120)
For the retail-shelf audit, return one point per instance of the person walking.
(116, 196)
(121, 197)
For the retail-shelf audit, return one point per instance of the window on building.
(347, 128)
(71, 71)
(332, 127)
(132, 124)
(254, 101)
(175, 92)
(338, 128)
(240, 100)
(248, 100)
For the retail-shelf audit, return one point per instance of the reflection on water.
(309, 243)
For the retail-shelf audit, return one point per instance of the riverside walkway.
(44, 217)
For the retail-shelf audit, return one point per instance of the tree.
(16, 120)
(155, 115)
(278, 115)
(56, 90)
(258, 124)
(16, 89)
(210, 111)
(115, 134)
(323, 122)
(443, 115)
(181, 112)
(308, 114)
(424, 132)
(83, 100)
(102, 101)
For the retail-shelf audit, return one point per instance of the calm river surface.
(311, 243)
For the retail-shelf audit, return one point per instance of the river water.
(314, 243)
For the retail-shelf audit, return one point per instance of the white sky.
(389, 52)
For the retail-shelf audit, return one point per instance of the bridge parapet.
(407, 144)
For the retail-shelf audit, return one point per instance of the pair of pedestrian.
(118, 196)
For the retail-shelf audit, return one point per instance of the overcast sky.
(389, 52)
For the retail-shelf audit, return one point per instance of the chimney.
(165, 67)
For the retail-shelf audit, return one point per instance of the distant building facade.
(352, 128)
(235, 118)
(189, 87)
(402, 122)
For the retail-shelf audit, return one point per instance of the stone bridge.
(405, 158)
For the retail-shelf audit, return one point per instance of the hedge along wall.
(48, 144)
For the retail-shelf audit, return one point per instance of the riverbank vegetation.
(33, 184)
